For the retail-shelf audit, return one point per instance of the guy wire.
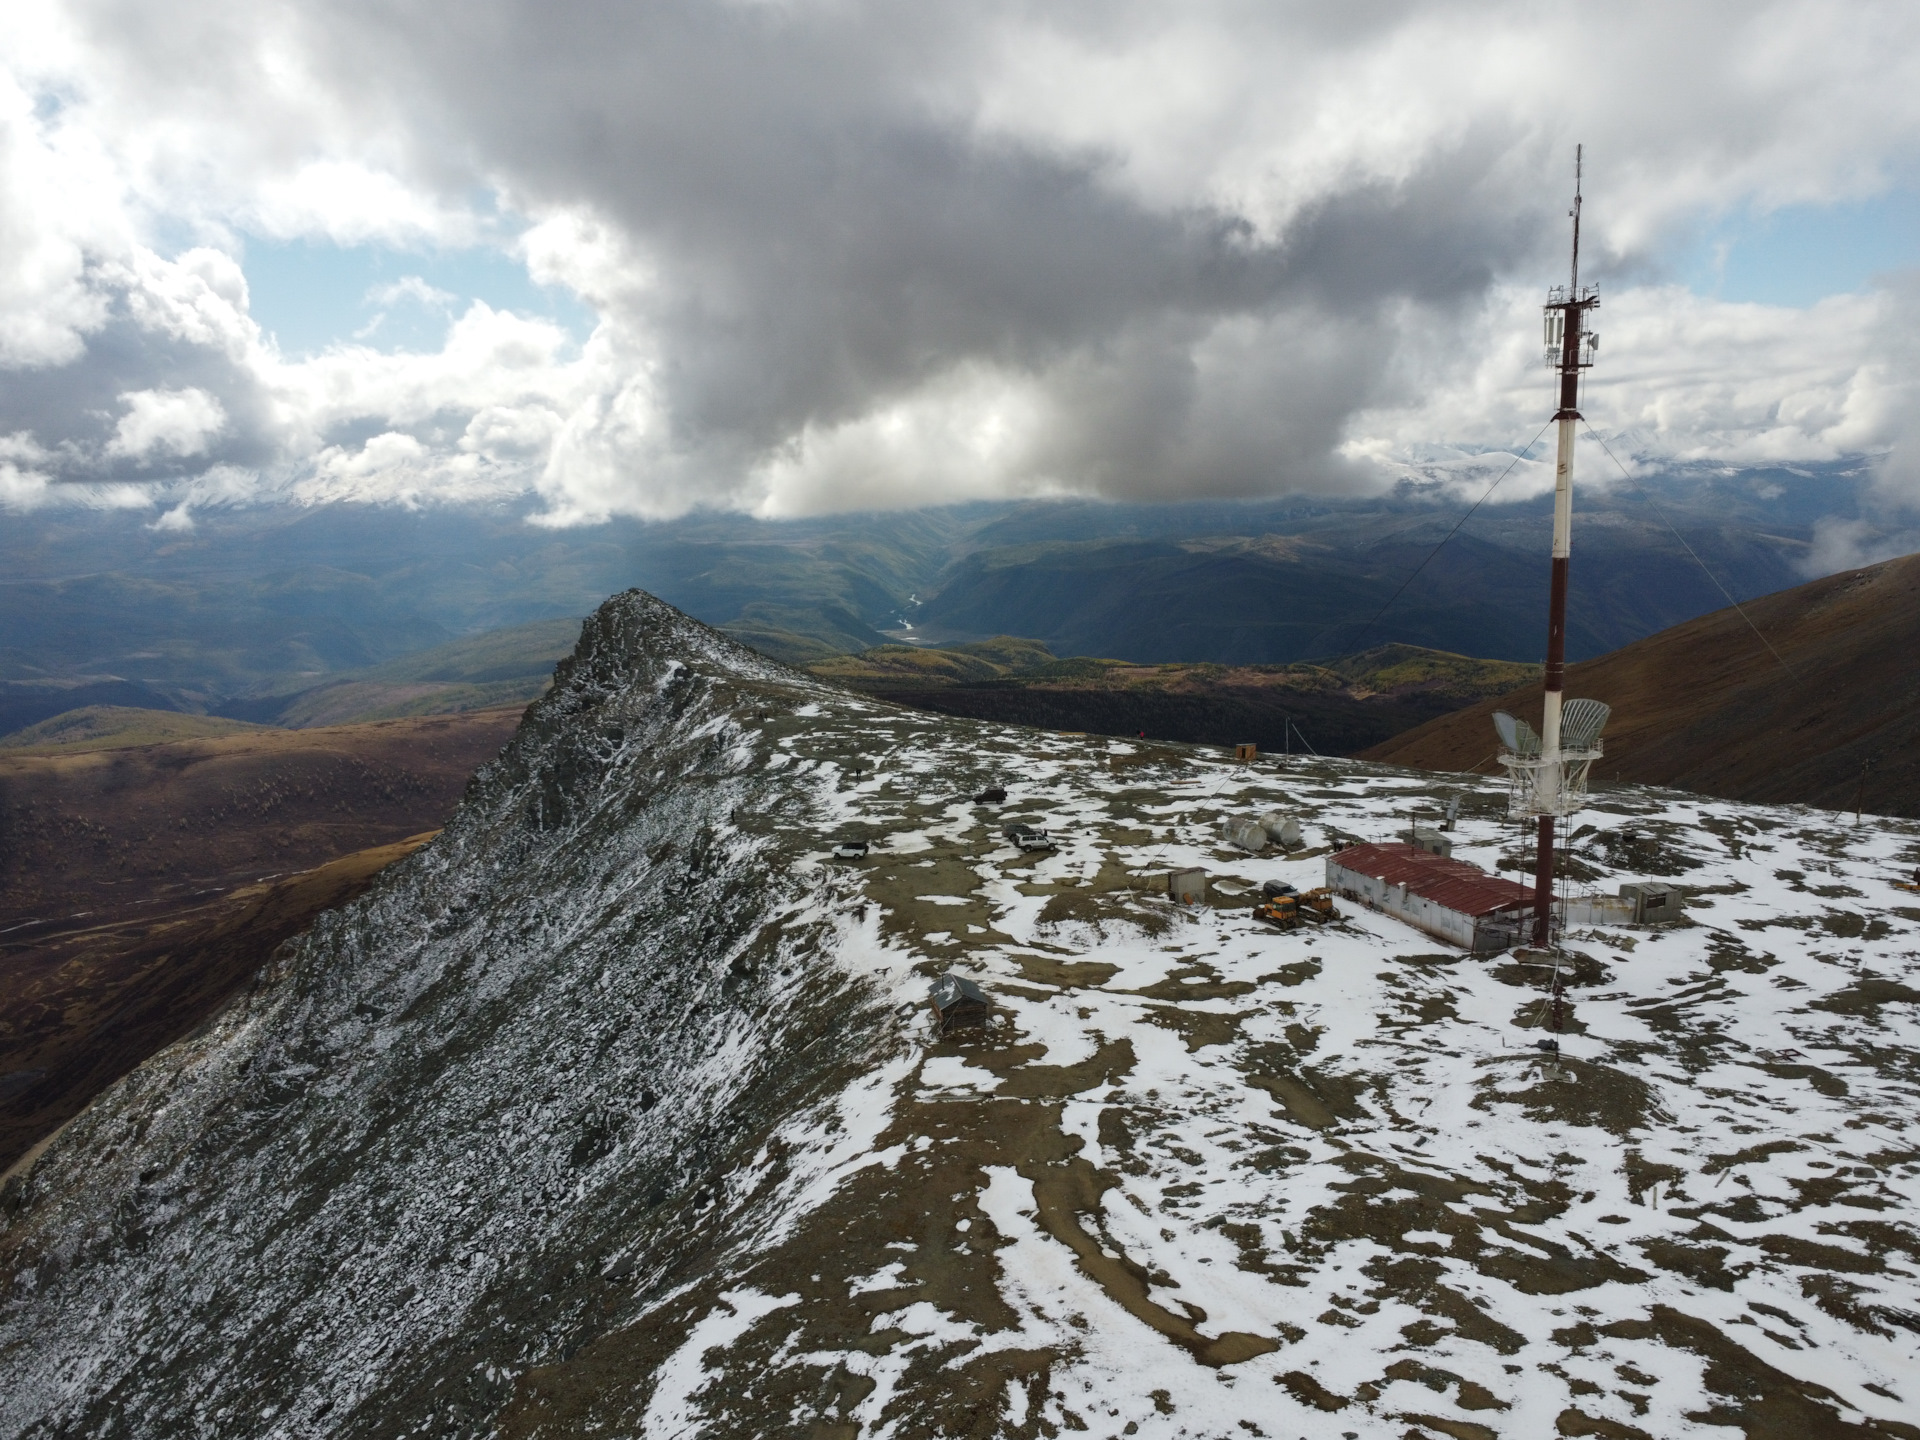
(1591, 435)
(1518, 457)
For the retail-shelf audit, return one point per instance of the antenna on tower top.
(1573, 285)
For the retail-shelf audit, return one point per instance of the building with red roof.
(1449, 898)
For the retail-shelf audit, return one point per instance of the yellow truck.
(1285, 908)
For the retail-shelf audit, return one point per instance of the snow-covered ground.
(617, 1111)
(1363, 1160)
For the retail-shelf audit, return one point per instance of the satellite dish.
(1516, 734)
(1581, 723)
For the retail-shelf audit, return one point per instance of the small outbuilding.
(1449, 898)
(1432, 841)
(958, 1004)
(1187, 887)
(1653, 901)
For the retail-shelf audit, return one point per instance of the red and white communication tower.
(1548, 770)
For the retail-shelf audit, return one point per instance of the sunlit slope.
(1705, 706)
(117, 727)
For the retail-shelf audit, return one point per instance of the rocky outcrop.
(537, 1072)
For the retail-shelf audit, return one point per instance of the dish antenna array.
(1547, 786)
(1548, 771)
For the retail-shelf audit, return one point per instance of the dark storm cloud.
(828, 232)
(850, 254)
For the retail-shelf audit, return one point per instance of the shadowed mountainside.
(141, 885)
(83, 1006)
(1335, 706)
(1704, 707)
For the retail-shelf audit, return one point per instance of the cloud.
(411, 288)
(849, 255)
(166, 422)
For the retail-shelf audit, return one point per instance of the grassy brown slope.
(139, 887)
(84, 829)
(1704, 707)
(82, 1007)
(117, 727)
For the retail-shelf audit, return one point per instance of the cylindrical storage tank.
(1246, 832)
(1283, 829)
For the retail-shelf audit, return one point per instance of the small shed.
(1187, 887)
(1653, 901)
(1445, 897)
(1432, 841)
(958, 1003)
(1246, 750)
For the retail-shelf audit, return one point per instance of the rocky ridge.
(615, 1110)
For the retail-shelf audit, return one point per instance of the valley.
(1334, 706)
(141, 884)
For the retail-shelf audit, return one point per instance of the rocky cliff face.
(615, 1111)
(556, 1061)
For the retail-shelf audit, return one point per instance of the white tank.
(1245, 831)
(1283, 829)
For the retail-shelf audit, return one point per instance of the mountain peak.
(618, 1109)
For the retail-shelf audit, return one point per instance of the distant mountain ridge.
(1705, 706)
(256, 603)
(1334, 707)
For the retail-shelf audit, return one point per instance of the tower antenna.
(1548, 772)
(1579, 156)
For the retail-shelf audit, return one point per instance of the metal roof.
(1452, 884)
(950, 990)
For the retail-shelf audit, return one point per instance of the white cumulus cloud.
(859, 255)
(166, 422)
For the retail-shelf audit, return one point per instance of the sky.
(785, 257)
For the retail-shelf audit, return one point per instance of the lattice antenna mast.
(1579, 155)
(1549, 770)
